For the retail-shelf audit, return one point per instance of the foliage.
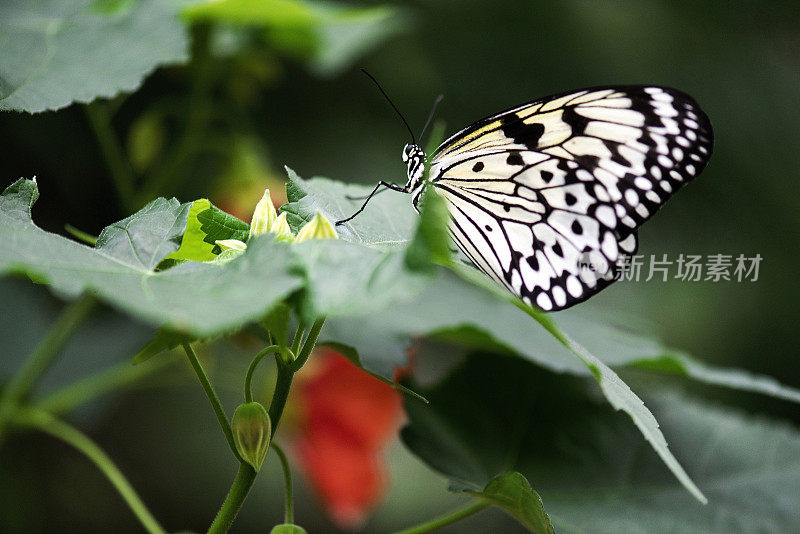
(494, 414)
(520, 422)
(59, 52)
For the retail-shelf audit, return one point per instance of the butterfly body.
(414, 157)
(546, 198)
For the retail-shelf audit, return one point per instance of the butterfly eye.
(406, 153)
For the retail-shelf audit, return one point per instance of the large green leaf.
(495, 415)
(354, 276)
(465, 314)
(55, 52)
(202, 298)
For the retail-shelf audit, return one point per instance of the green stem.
(248, 392)
(246, 475)
(233, 502)
(80, 235)
(47, 423)
(115, 378)
(448, 519)
(121, 173)
(279, 396)
(212, 398)
(42, 356)
(308, 346)
(288, 516)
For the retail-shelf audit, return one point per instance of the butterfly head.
(414, 157)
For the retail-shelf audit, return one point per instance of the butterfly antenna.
(371, 77)
(430, 117)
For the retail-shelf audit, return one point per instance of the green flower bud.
(317, 228)
(264, 216)
(287, 528)
(281, 228)
(252, 432)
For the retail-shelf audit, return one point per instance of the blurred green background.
(260, 100)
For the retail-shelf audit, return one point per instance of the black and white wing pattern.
(546, 198)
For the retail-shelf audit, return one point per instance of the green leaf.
(387, 222)
(593, 471)
(59, 52)
(513, 493)
(277, 13)
(336, 276)
(364, 270)
(146, 237)
(462, 313)
(206, 225)
(199, 298)
(164, 340)
(329, 36)
(346, 34)
(432, 242)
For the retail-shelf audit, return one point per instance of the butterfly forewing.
(546, 197)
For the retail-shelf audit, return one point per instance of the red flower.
(343, 420)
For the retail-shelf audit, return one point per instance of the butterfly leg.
(363, 197)
(387, 185)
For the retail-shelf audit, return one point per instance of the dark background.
(740, 61)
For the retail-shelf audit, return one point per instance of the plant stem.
(233, 502)
(279, 396)
(248, 393)
(47, 423)
(246, 475)
(121, 172)
(42, 356)
(212, 398)
(288, 515)
(112, 379)
(308, 346)
(80, 235)
(448, 519)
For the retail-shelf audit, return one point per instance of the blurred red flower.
(342, 420)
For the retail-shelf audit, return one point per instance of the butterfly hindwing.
(546, 198)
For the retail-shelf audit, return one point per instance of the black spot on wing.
(523, 134)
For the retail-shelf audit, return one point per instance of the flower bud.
(317, 228)
(252, 432)
(281, 228)
(287, 528)
(264, 216)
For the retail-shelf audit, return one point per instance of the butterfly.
(546, 198)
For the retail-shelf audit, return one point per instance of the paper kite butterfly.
(546, 198)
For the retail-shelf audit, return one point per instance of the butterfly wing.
(546, 197)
